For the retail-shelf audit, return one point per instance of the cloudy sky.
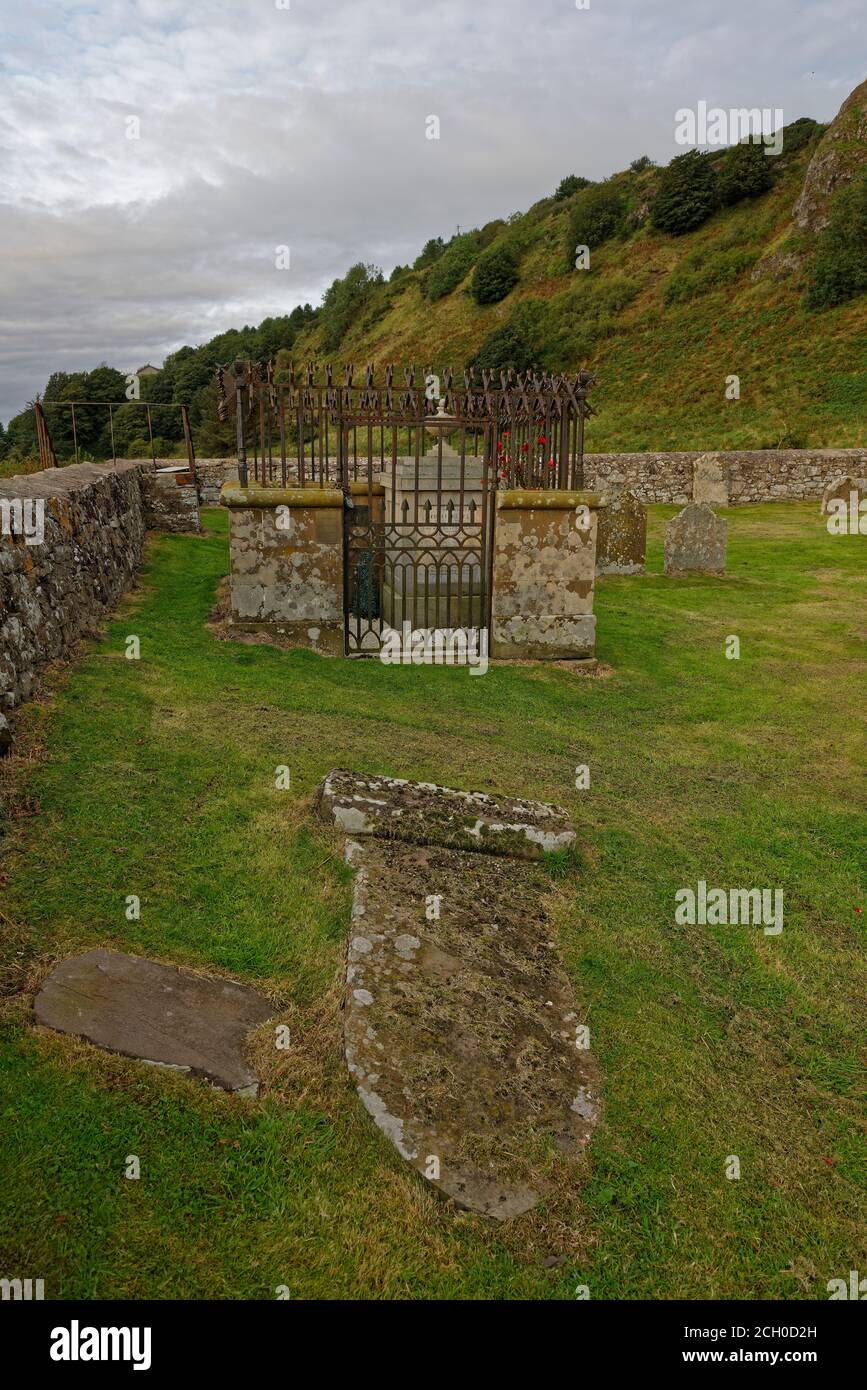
(264, 123)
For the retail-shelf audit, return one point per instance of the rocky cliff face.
(840, 156)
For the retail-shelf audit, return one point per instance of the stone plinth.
(544, 568)
(439, 489)
(695, 542)
(286, 558)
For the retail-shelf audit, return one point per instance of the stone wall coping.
(62, 482)
(233, 495)
(727, 455)
(358, 488)
(548, 499)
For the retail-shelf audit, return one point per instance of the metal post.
(239, 422)
(579, 464)
(188, 439)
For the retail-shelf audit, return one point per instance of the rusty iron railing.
(304, 428)
(419, 458)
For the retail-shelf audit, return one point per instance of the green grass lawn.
(157, 778)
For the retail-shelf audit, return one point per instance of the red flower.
(500, 447)
(551, 463)
(542, 439)
(524, 448)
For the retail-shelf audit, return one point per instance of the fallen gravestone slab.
(423, 813)
(157, 1013)
(695, 542)
(461, 1032)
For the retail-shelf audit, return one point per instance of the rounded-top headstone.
(695, 541)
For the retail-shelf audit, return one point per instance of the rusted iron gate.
(419, 462)
(47, 453)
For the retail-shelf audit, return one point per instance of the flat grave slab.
(423, 813)
(461, 1030)
(159, 1013)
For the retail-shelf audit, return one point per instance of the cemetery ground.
(157, 778)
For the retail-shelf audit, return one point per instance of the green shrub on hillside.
(839, 270)
(494, 276)
(455, 262)
(490, 232)
(598, 214)
(687, 194)
(611, 296)
(431, 252)
(569, 327)
(744, 172)
(344, 302)
(505, 347)
(573, 183)
(800, 133)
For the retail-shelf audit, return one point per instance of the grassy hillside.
(663, 319)
(719, 265)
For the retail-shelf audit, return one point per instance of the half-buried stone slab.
(158, 1013)
(461, 1031)
(423, 813)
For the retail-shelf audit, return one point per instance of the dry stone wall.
(755, 475)
(55, 591)
(70, 544)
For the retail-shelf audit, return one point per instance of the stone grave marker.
(695, 542)
(710, 481)
(621, 537)
(158, 1013)
(840, 490)
(461, 1029)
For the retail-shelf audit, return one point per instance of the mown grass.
(157, 778)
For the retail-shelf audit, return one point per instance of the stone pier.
(286, 555)
(544, 570)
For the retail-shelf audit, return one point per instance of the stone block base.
(544, 637)
(326, 638)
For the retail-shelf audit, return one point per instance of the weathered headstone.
(621, 537)
(695, 542)
(840, 490)
(461, 1030)
(710, 481)
(158, 1013)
